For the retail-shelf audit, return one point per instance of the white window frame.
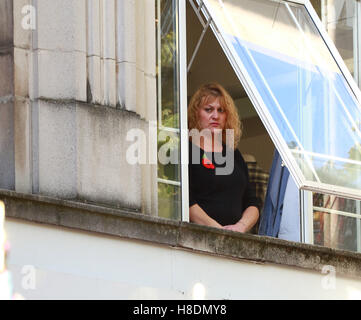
(183, 106)
(306, 198)
(180, 25)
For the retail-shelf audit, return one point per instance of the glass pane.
(336, 222)
(340, 25)
(300, 84)
(339, 19)
(169, 201)
(168, 71)
(335, 228)
(168, 155)
(169, 204)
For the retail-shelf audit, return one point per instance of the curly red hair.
(209, 92)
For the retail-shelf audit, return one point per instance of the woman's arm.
(199, 216)
(249, 219)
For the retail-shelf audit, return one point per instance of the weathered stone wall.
(71, 88)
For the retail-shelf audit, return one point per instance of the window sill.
(182, 235)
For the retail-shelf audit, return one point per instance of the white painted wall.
(79, 265)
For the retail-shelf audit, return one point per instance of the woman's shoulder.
(193, 147)
(238, 157)
(194, 152)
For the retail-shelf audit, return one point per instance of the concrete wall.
(70, 90)
(56, 263)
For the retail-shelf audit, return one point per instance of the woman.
(223, 201)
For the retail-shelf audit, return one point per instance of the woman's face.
(211, 115)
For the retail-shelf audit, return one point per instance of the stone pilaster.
(75, 77)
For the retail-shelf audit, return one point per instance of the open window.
(207, 62)
(293, 89)
(299, 85)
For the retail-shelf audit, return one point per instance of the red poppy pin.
(207, 163)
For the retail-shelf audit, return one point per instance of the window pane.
(169, 201)
(336, 222)
(169, 204)
(339, 19)
(335, 228)
(340, 25)
(300, 84)
(168, 79)
(168, 155)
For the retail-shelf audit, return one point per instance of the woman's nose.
(215, 114)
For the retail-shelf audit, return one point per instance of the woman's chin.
(216, 130)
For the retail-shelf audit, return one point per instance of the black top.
(222, 197)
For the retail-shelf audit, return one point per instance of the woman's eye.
(221, 110)
(208, 109)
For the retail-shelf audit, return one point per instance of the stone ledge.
(182, 235)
